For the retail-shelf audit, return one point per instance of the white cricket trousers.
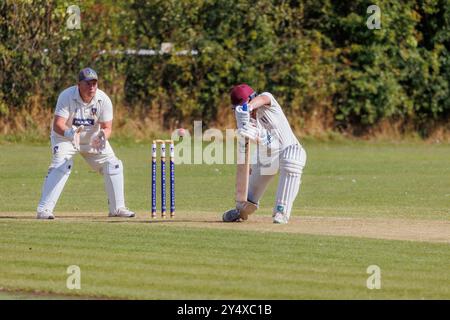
(104, 162)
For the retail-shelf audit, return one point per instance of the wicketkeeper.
(278, 151)
(83, 124)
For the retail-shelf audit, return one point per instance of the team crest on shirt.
(94, 111)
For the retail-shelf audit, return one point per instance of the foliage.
(319, 59)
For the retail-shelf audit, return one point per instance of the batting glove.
(242, 117)
(256, 134)
(249, 131)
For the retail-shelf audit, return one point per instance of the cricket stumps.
(162, 144)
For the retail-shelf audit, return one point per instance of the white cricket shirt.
(77, 112)
(273, 119)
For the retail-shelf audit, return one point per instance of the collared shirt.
(273, 119)
(71, 106)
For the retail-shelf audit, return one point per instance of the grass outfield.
(198, 257)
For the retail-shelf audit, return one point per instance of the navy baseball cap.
(87, 74)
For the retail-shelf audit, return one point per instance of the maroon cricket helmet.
(241, 93)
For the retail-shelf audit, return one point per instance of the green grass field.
(198, 257)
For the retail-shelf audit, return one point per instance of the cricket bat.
(243, 170)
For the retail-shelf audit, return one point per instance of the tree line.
(320, 58)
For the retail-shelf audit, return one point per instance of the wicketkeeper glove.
(98, 141)
(73, 134)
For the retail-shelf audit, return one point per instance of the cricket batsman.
(261, 119)
(83, 124)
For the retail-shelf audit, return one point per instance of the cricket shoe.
(122, 212)
(231, 215)
(280, 218)
(45, 214)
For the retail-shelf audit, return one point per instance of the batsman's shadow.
(159, 221)
(31, 217)
(103, 219)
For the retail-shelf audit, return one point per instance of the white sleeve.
(107, 110)
(62, 106)
(273, 102)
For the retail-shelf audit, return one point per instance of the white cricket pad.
(54, 184)
(292, 162)
(113, 176)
